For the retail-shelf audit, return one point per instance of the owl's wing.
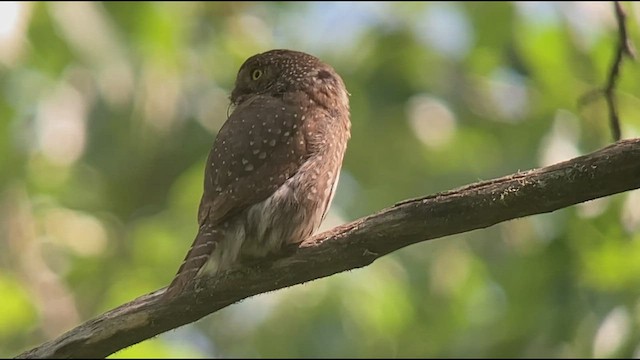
(259, 147)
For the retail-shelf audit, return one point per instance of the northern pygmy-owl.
(273, 169)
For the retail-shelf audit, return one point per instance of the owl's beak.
(234, 96)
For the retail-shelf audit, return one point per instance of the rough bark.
(608, 171)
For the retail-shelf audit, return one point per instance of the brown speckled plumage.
(272, 172)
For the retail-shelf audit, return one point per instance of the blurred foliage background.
(108, 110)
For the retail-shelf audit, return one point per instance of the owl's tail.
(200, 252)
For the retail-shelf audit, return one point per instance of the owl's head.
(276, 72)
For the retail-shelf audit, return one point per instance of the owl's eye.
(256, 74)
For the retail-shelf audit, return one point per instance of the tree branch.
(624, 48)
(608, 171)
